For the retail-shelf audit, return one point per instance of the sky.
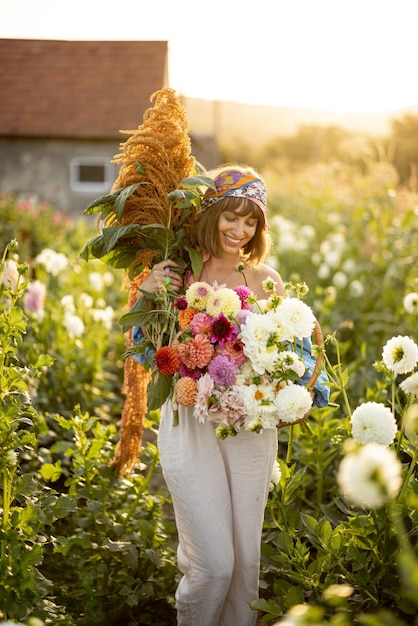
(334, 55)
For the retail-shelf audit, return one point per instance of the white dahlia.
(370, 476)
(292, 403)
(400, 354)
(373, 422)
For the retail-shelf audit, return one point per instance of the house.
(63, 104)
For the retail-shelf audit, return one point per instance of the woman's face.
(235, 230)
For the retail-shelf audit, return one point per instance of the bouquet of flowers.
(237, 361)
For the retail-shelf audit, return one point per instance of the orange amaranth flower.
(167, 360)
(186, 389)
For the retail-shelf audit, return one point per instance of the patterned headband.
(237, 185)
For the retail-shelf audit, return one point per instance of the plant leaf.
(123, 195)
(104, 204)
(196, 260)
(197, 181)
(158, 391)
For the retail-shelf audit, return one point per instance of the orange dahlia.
(167, 360)
(197, 352)
(186, 389)
(186, 316)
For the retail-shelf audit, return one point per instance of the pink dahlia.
(234, 351)
(205, 387)
(201, 324)
(243, 293)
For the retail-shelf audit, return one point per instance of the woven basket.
(319, 338)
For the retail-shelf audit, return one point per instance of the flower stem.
(290, 445)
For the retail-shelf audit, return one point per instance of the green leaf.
(140, 168)
(51, 471)
(64, 505)
(197, 181)
(177, 194)
(124, 194)
(138, 318)
(104, 204)
(196, 260)
(104, 243)
(310, 523)
(43, 360)
(158, 391)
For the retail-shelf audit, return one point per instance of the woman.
(219, 487)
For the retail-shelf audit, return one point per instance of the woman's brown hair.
(206, 227)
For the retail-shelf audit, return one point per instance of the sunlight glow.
(351, 56)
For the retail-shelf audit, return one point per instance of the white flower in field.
(10, 274)
(275, 475)
(373, 422)
(410, 423)
(410, 384)
(340, 280)
(103, 315)
(400, 354)
(324, 271)
(67, 303)
(307, 232)
(296, 318)
(86, 300)
(108, 279)
(370, 476)
(332, 258)
(356, 289)
(96, 281)
(349, 266)
(316, 258)
(297, 615)
(410, 302)
(54, 262)
(73, 324)
(292, 403)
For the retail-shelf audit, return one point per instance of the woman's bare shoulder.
(260, 273)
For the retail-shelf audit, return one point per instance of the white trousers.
(219, 490)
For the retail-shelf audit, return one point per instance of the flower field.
(82, 545)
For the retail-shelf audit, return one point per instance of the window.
(91, 174)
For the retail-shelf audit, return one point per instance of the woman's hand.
(162, 275)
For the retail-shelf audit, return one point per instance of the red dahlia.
(167, 360)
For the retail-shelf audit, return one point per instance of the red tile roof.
(77, 89)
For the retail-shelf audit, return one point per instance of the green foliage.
(113, 547)
(78, 543)
(315, 541)
(27, 510)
